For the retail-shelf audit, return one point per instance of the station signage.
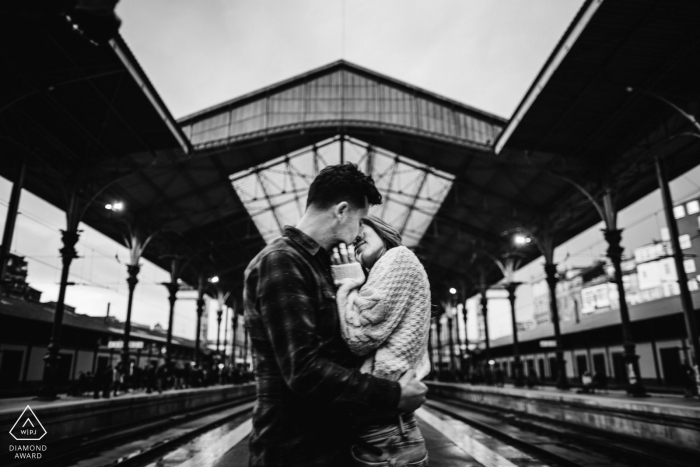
(549, 343)
(120, 344)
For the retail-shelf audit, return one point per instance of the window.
(679, 212)
(685, 242)
(665, 236)
(689, 265)
(692, 285)
(693, 207)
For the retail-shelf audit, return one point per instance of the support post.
(484, 313)
(466, 342)
(487, 341)
(634, 383)
(10, 221)
(686, 299)
(430, 348)
(219, 313)
(451, 343)
(223, 356)
(245, 348)
(173, 288)
(438, 328)
(132, 280)
(68, 253)
(234, 325)
(200, 311)
(551, 270)
(517, 362)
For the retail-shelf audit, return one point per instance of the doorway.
(10, 368)
(620, 373)
(671, 365)
(599, 364)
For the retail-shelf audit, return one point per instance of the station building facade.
(89, 343)
(589, 313)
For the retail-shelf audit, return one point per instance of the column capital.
(614, 238)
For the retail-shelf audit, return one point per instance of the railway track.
(557, 444)
(185, 426)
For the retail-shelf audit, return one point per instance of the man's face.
(350, 222)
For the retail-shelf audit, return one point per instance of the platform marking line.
(221, 447)
(470, 441)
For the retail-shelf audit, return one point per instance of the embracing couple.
(338, 312)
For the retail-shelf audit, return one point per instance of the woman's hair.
(390, 236)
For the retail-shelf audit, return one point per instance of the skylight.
(275, 193)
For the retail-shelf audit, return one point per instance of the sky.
(197, 54)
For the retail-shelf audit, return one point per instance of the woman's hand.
(343, 254)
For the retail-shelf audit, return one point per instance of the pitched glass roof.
(341, 92)
(275, 193)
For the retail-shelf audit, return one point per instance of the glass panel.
(342, 95)
(275, 193)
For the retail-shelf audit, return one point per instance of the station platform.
(661, 418)
(447, 443)
(70, 420)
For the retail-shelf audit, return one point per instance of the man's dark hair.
(342, 182)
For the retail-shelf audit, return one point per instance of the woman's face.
(369, 248)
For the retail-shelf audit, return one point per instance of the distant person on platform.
(308, 381)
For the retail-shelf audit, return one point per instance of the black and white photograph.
(349, 233)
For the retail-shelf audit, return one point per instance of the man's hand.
(412, 392)
(343, 254)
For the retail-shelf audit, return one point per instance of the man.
(308, 382)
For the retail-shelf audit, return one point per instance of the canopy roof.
(446, 188)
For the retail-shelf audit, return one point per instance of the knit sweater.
(389, 313)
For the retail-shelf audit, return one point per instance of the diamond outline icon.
(20, 418)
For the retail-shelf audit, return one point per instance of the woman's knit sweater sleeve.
(368, 317)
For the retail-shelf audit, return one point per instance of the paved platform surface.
(442, 452)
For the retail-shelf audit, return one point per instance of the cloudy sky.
(200, 53)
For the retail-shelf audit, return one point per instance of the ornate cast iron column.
(451, 343)
(466, 342)
(613, 236)
(686, 299)
(438, 329)
(221, 298)
(430, 348)
(136, 242)
(234, 325)
(200, 311)
(132, 280)
(51, 359)
(552, 279)
(223, 356)
(484, 313)
(176, 267)
(519, 379)
(634, 386)
(219, 314)
(173, 288)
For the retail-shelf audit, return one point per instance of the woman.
(387, 319)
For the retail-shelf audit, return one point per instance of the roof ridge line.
(327, 69)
